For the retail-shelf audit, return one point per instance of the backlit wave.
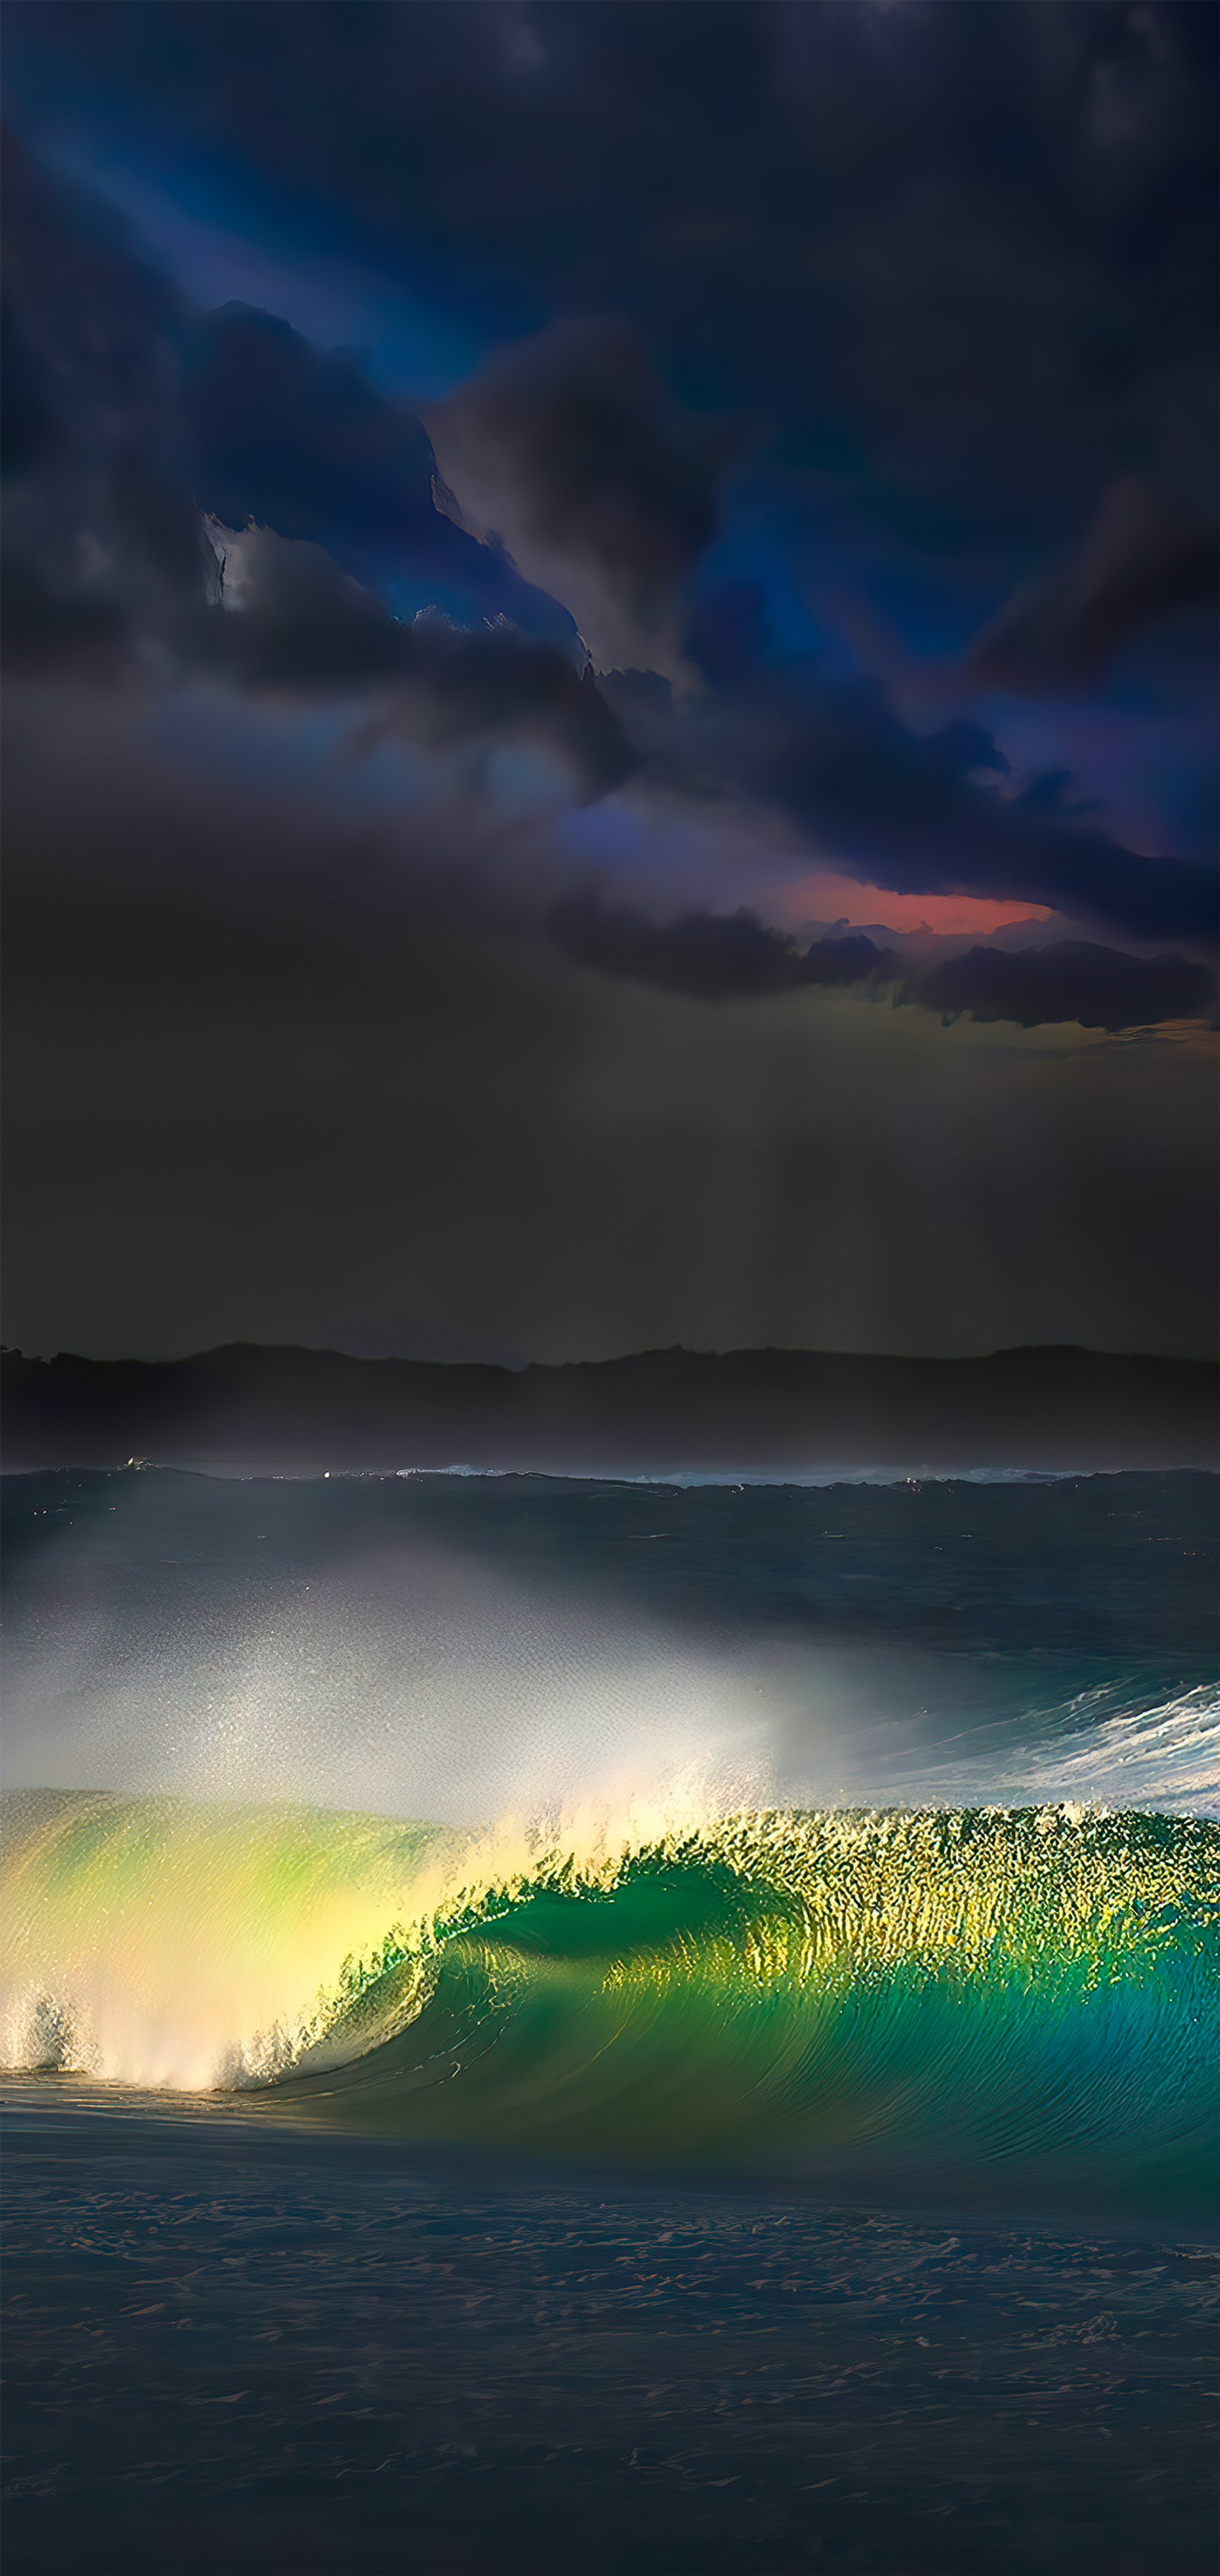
(1029, 1993)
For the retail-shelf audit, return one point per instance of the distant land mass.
(249, 1407)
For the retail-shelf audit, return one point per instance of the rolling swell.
(1027, 1995)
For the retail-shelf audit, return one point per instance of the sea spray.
(1026, 1992)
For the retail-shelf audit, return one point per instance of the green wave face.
(1028, 1997)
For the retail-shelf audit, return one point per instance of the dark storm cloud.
(908, 812)
(932, 813)
(1102, 988)
(565, 451)
(135, 413)
(724, 957)
(45, 630)
(90, 321)
(298, 439)
(287, 619)
(716, 957)
(970, 249)
(293, 1056)
(278, 1070)
(113, 573)
(103, 544)
(1145, 557)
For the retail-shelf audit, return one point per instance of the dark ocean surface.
(244, 2350)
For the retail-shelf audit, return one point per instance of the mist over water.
(416, 1682)
(453, 1650)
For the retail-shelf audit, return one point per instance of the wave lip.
(1020, 1994)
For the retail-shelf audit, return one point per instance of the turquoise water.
(1025, 2000)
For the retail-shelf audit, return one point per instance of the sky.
(610, 702)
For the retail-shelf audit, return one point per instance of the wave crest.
(1030, 1989)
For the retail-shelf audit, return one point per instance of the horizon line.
(614, 1359)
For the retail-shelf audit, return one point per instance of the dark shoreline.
(247, 1407)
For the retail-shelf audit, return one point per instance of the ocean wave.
(1100, 1747)
(1029, 1991)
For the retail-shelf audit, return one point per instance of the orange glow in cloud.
(825, 897)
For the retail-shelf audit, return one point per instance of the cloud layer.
(412, 769)
(153, 442)
(282, 1071)
(720, 958)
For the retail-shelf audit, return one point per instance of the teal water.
(1025, 2000)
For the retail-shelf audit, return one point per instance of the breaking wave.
(1028, 1994)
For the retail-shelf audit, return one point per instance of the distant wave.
(1024, 1993)
(1167, 1755)
(1098, 1747)
(734, 1479)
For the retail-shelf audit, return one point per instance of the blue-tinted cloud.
(139, 422)
(1146, 558)
(975, 253)
(139, 415)
(302, 442)
(928, 813)
(566, 452)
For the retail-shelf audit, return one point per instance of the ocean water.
(683, 2019)
(1015, 2002)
